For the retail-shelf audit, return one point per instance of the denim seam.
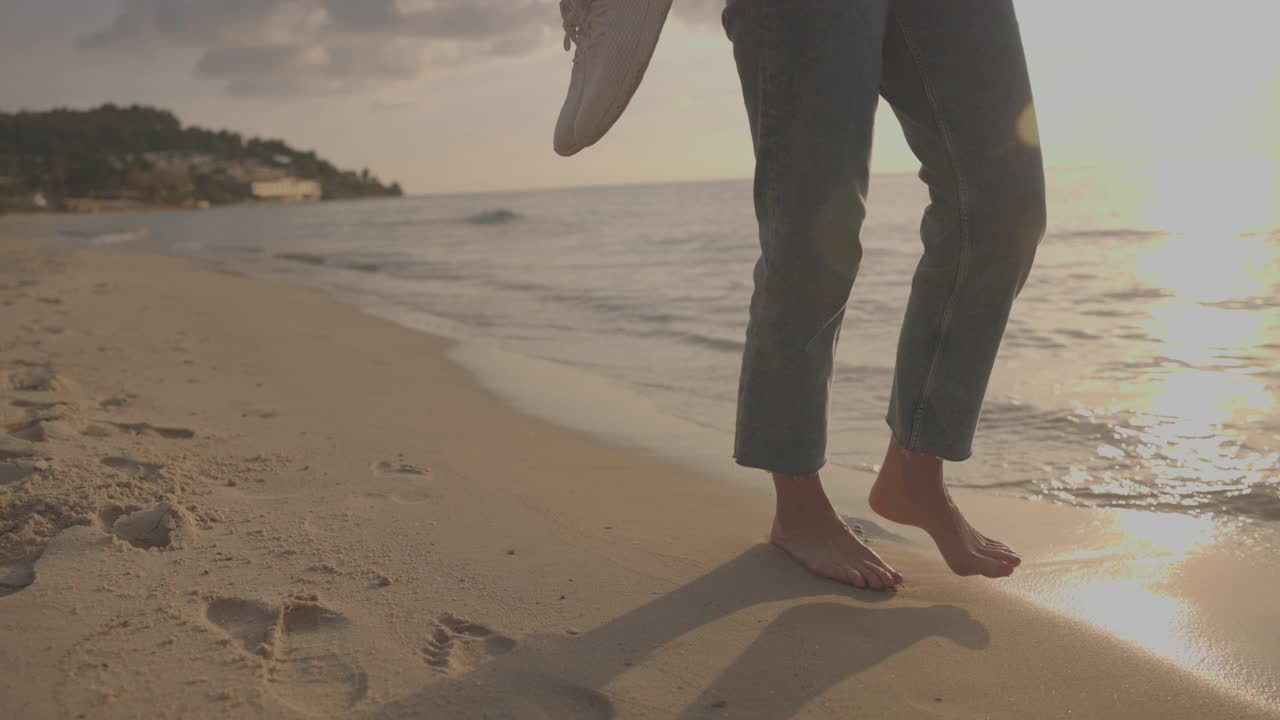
(962, 201)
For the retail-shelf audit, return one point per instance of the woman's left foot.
(910, 490)
(810, 530)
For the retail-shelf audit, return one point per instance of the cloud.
(307, 47)
(300, 69)
(392, 106)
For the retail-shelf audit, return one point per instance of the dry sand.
(221, 497)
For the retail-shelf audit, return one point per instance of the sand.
(223, 497)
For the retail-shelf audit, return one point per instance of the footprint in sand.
(296, 642)
(387, 467)
(166, 525)
(406, 491)
(12, 448)
(41, 421)
(34, 406)
(131, 466)
(32, 427)
(15, 577)
(141, 428)
(117, 401)
(13, 472)
(17, 462)
(107, 428)
(457, 645)
(34, 379)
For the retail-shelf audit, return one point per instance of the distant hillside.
(142, 155)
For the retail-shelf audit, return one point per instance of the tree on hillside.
(116, 151)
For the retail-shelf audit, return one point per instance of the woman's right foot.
(910, 491)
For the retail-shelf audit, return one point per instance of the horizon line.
(708, 181)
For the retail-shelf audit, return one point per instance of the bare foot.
(812, 533)
(910, 490)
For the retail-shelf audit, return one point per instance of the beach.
(228, 497)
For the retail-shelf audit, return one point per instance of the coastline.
(371, 531)
(100, 208)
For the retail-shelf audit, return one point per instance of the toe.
(874, 581)
(894, 575)
(850, 577)
(977, 563)
(883, 574)
(999, 570)
(891, 576)
(855, 578)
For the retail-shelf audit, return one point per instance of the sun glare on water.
(1218, 265)
(1213, 196)
(1199, 384)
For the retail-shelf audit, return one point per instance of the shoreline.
(17, 217)
(586, 594)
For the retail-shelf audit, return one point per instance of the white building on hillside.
(288, 188)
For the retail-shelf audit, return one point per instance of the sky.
(462, 95)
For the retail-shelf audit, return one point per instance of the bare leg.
(910, 490)
(810, 530)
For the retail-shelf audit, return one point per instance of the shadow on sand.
(836, 637)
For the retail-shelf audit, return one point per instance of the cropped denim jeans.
(812, 73)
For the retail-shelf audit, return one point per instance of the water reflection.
(1209, 268)
(1203, 197)
(1120, 584)
(1187, 421)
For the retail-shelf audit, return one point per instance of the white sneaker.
(615, 40)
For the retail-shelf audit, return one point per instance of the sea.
(1140, 367)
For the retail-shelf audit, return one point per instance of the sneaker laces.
(578, 18)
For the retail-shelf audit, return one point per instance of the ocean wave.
(520, 286)
(1107, 312)
(108, 237)
(1249, 303)
(1079, 334)
(1257, 502)
(711, 343)
(325, 261)
(1056, 423)
(1123, 459)
(497, 216)
(365, 267)
(651, 320)
(1020, 337)
(1132, 294)
(1112, 233)
(305, 258)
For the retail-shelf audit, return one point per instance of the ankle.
(797, 484)
(913, 468)
(800, 498)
